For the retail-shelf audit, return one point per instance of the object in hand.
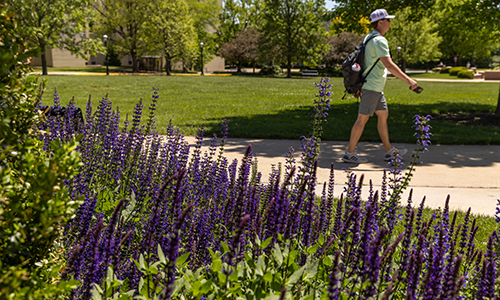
(417, 90)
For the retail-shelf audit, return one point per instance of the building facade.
(61, 58)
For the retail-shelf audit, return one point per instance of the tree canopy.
(123, 22)
(348, 13)
(170, 30)
(295, 28)
(418, 40)
(56, 24)
(243, 48)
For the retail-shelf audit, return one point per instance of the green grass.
(435, 76)
(258, 107)
(89, 69)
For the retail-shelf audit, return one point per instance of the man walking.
(372, 93)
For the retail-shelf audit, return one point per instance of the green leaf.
(321, 240)
(311, 269)
(261, 265)
(96, 292)
(258, 242)
(225, 247)
(178, 285)
(182, 259)
(217, 265)
(272, 297)
(295, 277)
(278, 255)
(266, 243)
(142, 265)
(268, 277)
(206, 287)
(313, 249)
(249, 260)
(327, 261)
(161, 256)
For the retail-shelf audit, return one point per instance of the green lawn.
(435, 76)
(279, 108)
(83, 69)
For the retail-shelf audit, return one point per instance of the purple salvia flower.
(373, 269)
(333, 282)
(423, 135)
(464, 232)
(173, 253)
(337, 228)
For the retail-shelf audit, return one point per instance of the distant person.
(372, 93)
(468, 65)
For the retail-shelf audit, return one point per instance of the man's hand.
(413, 84)
(396, 71)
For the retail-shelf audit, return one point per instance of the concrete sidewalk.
(469, 174)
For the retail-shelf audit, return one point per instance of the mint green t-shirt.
(376, 48)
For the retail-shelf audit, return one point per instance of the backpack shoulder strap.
(370, 38)
(376, 62)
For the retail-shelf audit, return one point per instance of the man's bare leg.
(357, 131)
(382, 128)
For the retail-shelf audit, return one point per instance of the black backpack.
(353, 78)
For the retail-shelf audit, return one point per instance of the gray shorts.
(371, 101)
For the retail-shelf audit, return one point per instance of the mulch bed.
(470, 119)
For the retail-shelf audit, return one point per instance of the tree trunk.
(167, 65)
(135, 65)
(44, 59)
(238, 68)
(403, 66)
(497, 112)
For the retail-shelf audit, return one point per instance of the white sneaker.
(354, 159)
(388, 155)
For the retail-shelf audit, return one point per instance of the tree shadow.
(292, 124)
(295, 123)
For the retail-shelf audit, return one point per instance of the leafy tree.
(238, 15)
(419, 40)
(243, 48)
(464, 35)
(295, 28)
(205, 17)
(170, 30)
(56, 24)
(123, 22)
(470, 29)
(352, 15)
(34, 203)
(341, 46)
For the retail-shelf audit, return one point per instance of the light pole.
(201, 48)
(105, 37)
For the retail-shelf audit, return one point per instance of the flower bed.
(159, 220)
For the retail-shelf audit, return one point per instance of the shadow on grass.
(292, 124)
(295, 123)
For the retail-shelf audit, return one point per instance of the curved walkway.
(469, 174)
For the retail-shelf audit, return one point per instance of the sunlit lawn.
(280, 108)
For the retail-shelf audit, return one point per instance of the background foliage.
(34, 203)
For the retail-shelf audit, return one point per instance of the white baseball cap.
(380, 14)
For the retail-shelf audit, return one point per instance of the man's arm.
(396, 71)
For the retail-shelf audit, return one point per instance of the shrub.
(335, 71)
(454, 71)
(445, 70)
(34, 203)
(466, 74)
(271, 70)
